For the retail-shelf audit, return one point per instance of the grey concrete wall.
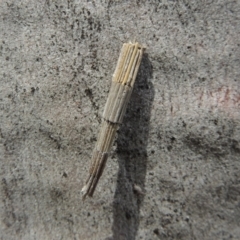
(180, 140)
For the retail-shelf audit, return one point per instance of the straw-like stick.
(119, 95)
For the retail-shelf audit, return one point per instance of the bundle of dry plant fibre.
(118, 98)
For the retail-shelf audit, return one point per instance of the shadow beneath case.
(131, 152)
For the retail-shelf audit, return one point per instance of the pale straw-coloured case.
(119, 95)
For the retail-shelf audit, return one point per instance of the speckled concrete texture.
(180, 139)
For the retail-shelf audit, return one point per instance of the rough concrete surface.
(180, 140)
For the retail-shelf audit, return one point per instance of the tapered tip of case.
(84, 192)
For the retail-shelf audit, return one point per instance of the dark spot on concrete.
(156, 231)
(32, 90)
(128, 215)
